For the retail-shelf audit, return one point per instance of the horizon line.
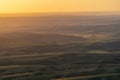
(61, 13)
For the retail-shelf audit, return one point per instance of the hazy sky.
(30, 6)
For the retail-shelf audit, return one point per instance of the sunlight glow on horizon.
(36, 6)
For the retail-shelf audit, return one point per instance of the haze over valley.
(60, 47)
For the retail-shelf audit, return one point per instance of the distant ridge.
(58, 13)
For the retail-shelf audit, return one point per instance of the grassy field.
(59, 65)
